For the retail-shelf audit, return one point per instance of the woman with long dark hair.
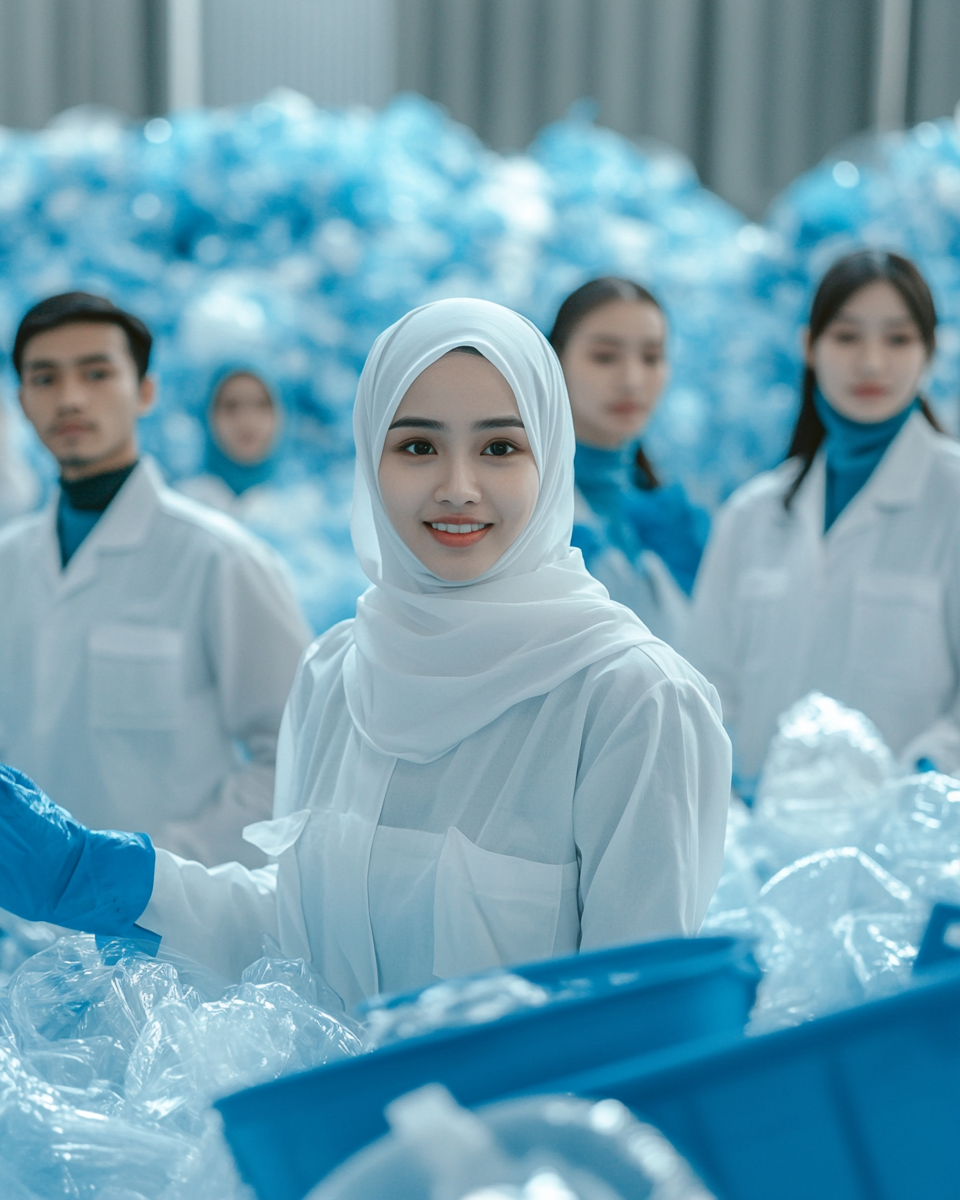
(641, 538)
(840, 570)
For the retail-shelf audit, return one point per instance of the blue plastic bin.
(627, 1001)
(861, 1105)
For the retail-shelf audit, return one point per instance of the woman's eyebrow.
(417, 423)
(499, 423)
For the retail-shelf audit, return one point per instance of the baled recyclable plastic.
(542, 1148)
(109, 1059)
(836, 870)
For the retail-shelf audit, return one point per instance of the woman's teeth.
(447, 528)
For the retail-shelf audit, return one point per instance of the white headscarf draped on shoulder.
(435, 661)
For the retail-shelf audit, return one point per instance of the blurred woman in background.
(244, 425)
(641, 539)
(840, 570)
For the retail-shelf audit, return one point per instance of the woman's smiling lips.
(458, 534)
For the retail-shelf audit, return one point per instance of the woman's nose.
(459, 484)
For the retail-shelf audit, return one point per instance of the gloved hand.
(54, 869)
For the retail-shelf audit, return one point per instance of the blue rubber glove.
(54, 869)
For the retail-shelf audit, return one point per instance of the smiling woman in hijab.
(493, 762)
(244, 425)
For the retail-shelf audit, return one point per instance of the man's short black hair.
(75, 308)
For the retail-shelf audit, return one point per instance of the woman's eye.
(499, 449)
(652, 360)
(417, 448)
(844, 335)
(603, 359)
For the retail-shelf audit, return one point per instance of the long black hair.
(580, 304)
(848, 275)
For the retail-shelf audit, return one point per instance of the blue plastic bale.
(628, 1001)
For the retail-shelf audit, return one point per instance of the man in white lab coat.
(147, 644)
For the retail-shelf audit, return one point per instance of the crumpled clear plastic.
(821, 780)
(447, 1005)
(841, 923)
(109, 1060)
(539, 1148)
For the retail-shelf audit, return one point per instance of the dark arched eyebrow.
(425, 423)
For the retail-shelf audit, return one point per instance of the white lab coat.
(142, 687)
(212, 491)
(868, 613)
(648, 588)
(588, 817)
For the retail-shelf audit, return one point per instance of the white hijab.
(435, 661)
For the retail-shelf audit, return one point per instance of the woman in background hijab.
(244, 427)
(493, 762)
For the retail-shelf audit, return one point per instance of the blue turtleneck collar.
(853, 450)
(237, 476)
(602, 473)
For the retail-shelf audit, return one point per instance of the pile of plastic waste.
(288, 236)
(543, 1148)
(896, 191)
(109, 1059)
(837, 867)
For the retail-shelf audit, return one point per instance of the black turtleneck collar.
(94, 493)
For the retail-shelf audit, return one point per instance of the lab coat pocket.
(492, 910)
(898, 633)
(761, 596)
(136, 677)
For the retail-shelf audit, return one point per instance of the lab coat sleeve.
(218, 916)
(255, 633)
(940, 742)
(650, 814)
(711, 635)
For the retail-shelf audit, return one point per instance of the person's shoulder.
(763, 489)
(22, 533)
(332, 644)
(320, 669)
(946, 453)
(217, 531)
(624, 678)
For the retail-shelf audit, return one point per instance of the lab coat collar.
(123, 527)
(896, 482)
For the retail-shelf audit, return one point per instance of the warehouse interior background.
(754, 92)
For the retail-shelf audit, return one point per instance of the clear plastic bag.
(822, 781)
(446, 1005)
(109, 1059)
(839, 924)
(540, 1148)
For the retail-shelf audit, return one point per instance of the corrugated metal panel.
(58, 53)
(335, 51)
(753, 90)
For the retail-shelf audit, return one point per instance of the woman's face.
(244, 419)
(457, 476)
(615, 368)
(869, 359)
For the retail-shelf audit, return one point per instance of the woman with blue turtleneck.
(640, 538)
(840, 570)
(243, 430)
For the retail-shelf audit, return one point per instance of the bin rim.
(938, 988)
(737, 951)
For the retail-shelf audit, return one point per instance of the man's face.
(80, 391)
